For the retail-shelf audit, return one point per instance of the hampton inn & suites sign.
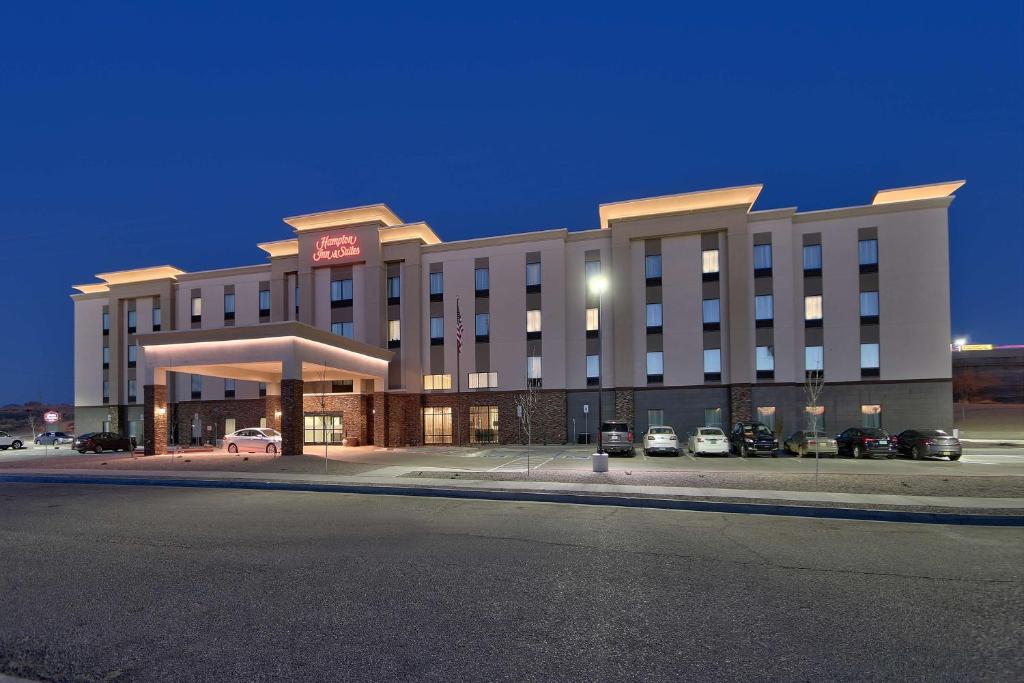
(335, 247)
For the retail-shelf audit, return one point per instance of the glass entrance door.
(322, 429)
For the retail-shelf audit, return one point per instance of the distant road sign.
(51, 416)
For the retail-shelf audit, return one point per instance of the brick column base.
(740, 403)
(291, 416)
(623, 407)
(154, 424)
(381, 419)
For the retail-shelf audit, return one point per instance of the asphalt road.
(108, 583)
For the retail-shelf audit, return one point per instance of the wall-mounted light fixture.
(161, 410)
(277, 413)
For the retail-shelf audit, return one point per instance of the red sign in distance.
(51, 416)
(335, 247)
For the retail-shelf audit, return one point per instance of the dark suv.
(754, 438)
(862, 442)
(97, 442)
(616, 437)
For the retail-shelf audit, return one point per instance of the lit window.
(482, 278)
(482, 323)
(197, 306)
(341, 290)
(593, 367)
(765, 358)
(766, 415)
(533, 321)
(436, 382)
(264, 301)
(812, 307)
(593, 320)
(812, 257)
(867, 252)
(711, 311)
(653, 315)
(593, 269)
(652, 266)
(814, 358)
(764, 307)
(712, 360)
(229, 304)
(533, 274)
(710, 260)
(655, 363)
(868, 304)
(762, 257)
(869, 356)
(437, 425)
(483, 380)
(533, 367)
(437, 328)
(394, 330)
(871, 416)
(344, 329)
(437, 283)
(394, 287)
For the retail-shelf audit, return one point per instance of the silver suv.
(617, 437)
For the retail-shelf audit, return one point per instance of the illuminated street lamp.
(598, 284)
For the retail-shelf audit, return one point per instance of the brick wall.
(548, 419)
(154, 429)
(353, 408)
(740, 403)
(247, 413)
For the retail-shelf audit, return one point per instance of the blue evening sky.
(143, 133)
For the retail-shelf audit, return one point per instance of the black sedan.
(923, 443)
(97, 442)
(861, 442)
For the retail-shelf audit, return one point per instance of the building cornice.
(687, 202)
(772, 214)
(358, 215)
(872, 210)
(222, 272)
(498, 240)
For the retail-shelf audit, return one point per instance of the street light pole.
(598, 284)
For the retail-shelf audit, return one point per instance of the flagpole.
(458, 373)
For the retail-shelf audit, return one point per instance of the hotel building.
(713, 313)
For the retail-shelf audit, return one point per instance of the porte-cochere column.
(154, 419)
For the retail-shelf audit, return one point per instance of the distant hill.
(17, 418)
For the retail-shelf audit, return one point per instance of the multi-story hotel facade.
(712, 312)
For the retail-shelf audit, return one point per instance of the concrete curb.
(538, 497)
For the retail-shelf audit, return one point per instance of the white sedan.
(254, 440)
(708, 440)
(8, 441)
(661, 440)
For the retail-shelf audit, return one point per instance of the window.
(483, 424)
(482, 326)
(106, 356)
(533, 371)
(262, 388)
(229, 425)
(593, 369)
(483, 380)
(871, 416)
(229, 306)
(709, 262)
(437, 382)
(867, 253)
(106, 322)
(131, 390)
(344, 329)
(296, 299)
(712, 364)
(652, 269)
(762, 259)
(394, 333)
(229, 389)
(342, 386)
(437, 425)
(394, 289)
(131, 322)
(655, 366)
(106, 391)
(592, 270)
(765, 362)
(264, 302)
(814, 359)
(197, 308)
(655, 417)
(815, 418)
(437, 330)
(133, 354)
(766, 415)
(341, 293)
(197, 386)
(436, 286)
(812, 259)
(156, 319)
(533, 325)
(482, 279)
(533, 277)
(712, 313)
(812, 309)
(654, 317)
(593, 322)
(764, 308)
(869, 360)
(712, 417)
(869, 306)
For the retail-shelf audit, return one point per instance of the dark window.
(343, 386)
(652, 269)
(482, 281)
(341, 293)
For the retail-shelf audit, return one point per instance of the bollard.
(599, 461)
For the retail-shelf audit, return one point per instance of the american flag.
(458, 328)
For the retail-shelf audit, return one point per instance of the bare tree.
(526, 407)
(813, 387)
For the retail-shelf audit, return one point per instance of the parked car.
(8, 441)
(922, 443)
(661, 439)
(53, 438)
(753, 438)
(863, 442)
(617, 437)
(253, 440)
(805, 443)
(708, 440)
(97, 442)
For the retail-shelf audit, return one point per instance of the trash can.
(599, 462)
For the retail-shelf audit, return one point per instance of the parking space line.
(537, 467)
(493, 469)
